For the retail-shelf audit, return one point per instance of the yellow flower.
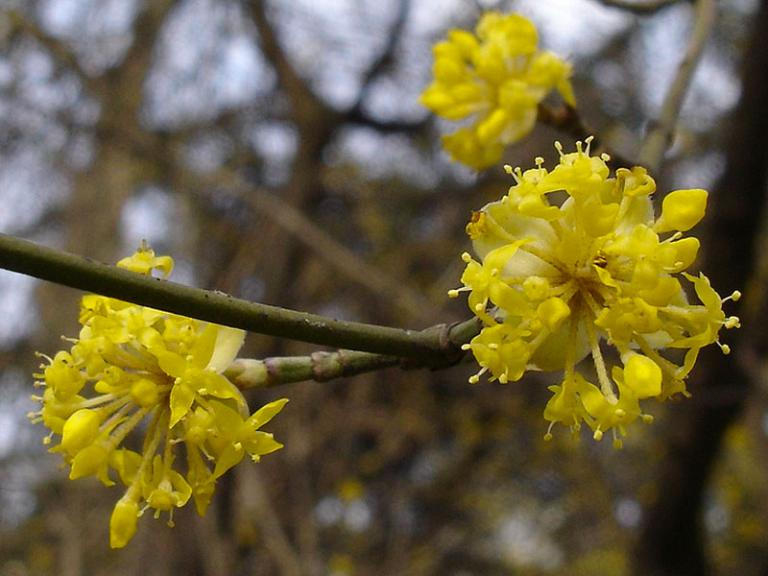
(556, 282)
(497, 79)
(133, 365)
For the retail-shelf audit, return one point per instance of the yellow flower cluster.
(496, 79)
(553, 281)
(142, 371)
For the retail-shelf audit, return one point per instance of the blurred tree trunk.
(672, 540)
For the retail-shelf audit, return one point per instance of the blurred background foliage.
(278, 152)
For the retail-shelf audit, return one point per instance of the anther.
(475, 378)
(466, 257)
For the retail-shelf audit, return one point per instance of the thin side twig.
(660, 133)
(322, 366)
(249, 373)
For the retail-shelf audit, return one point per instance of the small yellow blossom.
(496, 78)
(132, 371)
(556, 280)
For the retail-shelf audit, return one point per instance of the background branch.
(341, 258)
(660, 132)
(21, 23)
(639, 7)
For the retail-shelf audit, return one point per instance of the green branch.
(431, 346)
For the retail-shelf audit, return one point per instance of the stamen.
(475, 378)
(588, 140)
(674, 237)
(454, 293)
(44, 356)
